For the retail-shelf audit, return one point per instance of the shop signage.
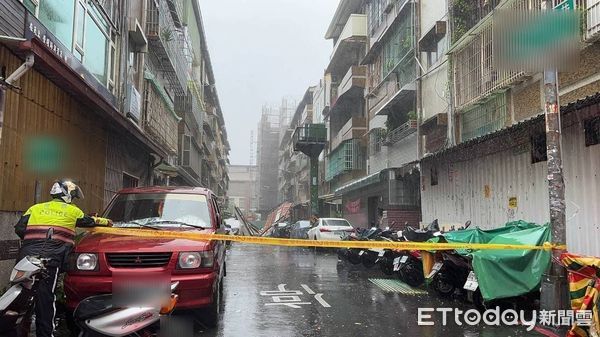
(353, 207)
(34, 29)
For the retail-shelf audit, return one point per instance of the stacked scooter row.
(453, 273)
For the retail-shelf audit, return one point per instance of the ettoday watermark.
(509, 317)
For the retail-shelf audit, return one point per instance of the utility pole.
(554, 285)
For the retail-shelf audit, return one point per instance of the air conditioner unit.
(133, 104)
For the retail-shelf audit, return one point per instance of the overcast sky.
(261, 51)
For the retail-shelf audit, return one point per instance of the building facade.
(267, 158)
(242, 191)
(446, 137)
(493, 166)
(105, 100)
(294, 171)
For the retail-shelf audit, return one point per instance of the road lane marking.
(308, 290)
(319, 297)
(295, 305)
(291, 298)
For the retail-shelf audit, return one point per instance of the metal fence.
(167, 43)
(476, 74)
(350, 155)
(485, 118)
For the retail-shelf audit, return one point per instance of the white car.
(330, 229)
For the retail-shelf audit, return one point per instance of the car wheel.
(209, 316)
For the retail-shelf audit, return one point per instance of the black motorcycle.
(353, 255)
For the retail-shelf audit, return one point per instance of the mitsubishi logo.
(138, 260)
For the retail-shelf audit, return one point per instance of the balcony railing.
(593, 19)
(355, 78)
(176, 8)
(400, 132)
(349, 156)
(353, 129)
(160, 119)
(166, 45)
(465, 14)
(349, 45)
(310, 139)
(209, 124)
(310, 133)
(190, 108)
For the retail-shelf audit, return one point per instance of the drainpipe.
(9, 82)
(420, 71)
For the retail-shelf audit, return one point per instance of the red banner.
(353, 207)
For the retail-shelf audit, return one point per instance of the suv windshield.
(159, 210)
(336, 222)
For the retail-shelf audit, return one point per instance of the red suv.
(198, 266)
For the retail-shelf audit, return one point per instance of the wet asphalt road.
(350, 305)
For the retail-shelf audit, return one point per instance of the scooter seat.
(94, 306)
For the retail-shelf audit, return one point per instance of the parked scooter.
(98, 316)
(454, 273)
(422, 235)
(353, 255)
(370, 257)
(408, 264)
(17, 302)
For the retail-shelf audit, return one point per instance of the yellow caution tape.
(144, 233)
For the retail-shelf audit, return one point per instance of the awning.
(167, 169)
(378, 177)
(187, 177)
(372, 179)
(529, 124)
(331, 199)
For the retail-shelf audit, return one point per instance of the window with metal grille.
(434, 176)
(592, 131)
(130, 181)
(538, 148)
(485, 118)
(350, 155)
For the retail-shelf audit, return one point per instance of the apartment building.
(242, 191)
(492, 168)
(294, 166)
(115, 94)
(341, 101)
(267, 158)
(383, 80)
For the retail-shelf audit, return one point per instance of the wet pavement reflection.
(274, 291)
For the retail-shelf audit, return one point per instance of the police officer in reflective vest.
(62, 216)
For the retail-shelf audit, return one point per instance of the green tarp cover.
(477, 235)
(506, 273)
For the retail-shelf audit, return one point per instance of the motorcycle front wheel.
(442, 285)
(368, 259)
(386, 265)
(411, 275)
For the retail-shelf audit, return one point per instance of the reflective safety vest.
(55, 214)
